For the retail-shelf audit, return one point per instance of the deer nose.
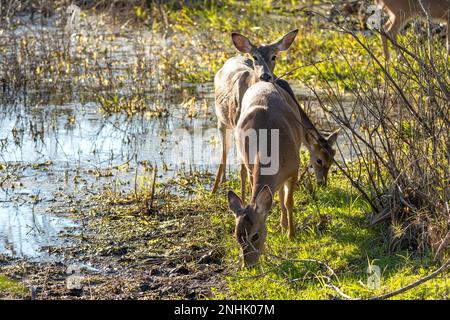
(322, 183)
(265, 77)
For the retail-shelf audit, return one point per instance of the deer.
(232, 81)
(234, 78)
(401, 12)
(267, 107)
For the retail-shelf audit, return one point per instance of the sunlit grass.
(10, 287)
(195, 45)
(315, 42)
(331, 227)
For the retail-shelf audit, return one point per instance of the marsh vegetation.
(108, 146)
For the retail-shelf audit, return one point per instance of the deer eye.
(255, 58)
(319, 161)
(273, 58)
(255, 237)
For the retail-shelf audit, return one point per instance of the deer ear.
(235, 202)
(264, 200)
(242, 43)
(332, 137)
(285, 42)
(311, 138)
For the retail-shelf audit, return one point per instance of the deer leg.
(384, 41)
(289, 203)
(220, 175)
(393, 30)
(284, 220)
(228, 139)
(250, 179)
(392, 27)
(243, 180)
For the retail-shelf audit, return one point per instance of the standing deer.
(233, 79)
(267, 107)
(401, 11)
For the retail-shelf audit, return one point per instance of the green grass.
(10, 287)
(200, 43)
(205, 31)
(340, 238)
(209, 29)
(331, 227)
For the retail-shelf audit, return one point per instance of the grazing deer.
(233, 79)
(401, 11)
(267, 107)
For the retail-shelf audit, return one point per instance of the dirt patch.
(55, 281)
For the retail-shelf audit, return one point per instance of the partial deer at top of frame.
(402, 11)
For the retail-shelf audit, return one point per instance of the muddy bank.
(130, 245)
(169, 281)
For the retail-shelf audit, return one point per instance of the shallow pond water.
(48, 150)
(25, 233)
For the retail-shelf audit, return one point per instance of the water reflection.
(23, 233)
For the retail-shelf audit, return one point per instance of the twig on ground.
(332, 274)
(443, 244)
(441, 269)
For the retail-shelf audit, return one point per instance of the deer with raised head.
(232, 81)
(402, 11)
(234, 78)
(272, 120)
